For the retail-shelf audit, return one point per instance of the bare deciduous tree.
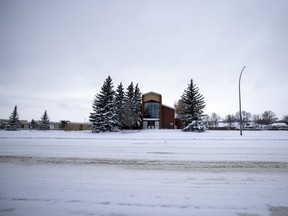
(268, 117)
(230, 119)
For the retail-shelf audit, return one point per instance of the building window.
(151, 109)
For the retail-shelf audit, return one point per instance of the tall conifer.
(104, 117)
(14, 123)
(119, 97)
(128, 119)
(193, 104)
(137, 106)
(45, 122)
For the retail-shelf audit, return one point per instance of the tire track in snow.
(214, 166)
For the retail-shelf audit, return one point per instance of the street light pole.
(240, 112)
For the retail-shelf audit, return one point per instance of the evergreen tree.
(34, 124)
(193, 104)
(45, 122)
(131, 109)
(104, 117)
(137, 106)
(119, 97)
(14, 123)
(128, 114)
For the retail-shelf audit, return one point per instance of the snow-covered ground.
(151, 172)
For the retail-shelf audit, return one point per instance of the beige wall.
(78, 126)
(152, 96)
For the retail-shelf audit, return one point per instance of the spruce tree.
(137, 106)
(104, 117)
(128, 115)
(193, 104)
(45, 122)
(14, 123)
(34, 124)
(118, 102)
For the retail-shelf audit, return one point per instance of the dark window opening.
(151, 109)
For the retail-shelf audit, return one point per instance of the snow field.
(157, 172)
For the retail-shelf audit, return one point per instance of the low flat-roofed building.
(155, 114)
(24, 124)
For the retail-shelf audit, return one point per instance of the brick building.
(155, 114)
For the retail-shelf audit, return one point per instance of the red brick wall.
(168, 118)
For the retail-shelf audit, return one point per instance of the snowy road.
(145, 173)
(150, 145)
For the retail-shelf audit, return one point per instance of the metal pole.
(240, 112)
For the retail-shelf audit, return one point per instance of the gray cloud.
(61, 51)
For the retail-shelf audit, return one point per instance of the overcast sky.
(55, 55)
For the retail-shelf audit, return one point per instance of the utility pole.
(240, 112)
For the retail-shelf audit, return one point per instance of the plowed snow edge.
(214, 166)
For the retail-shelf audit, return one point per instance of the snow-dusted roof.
(278, 124)
(151, 119)
(151, 92)
(168, 106)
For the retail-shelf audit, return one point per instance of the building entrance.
(151, 124)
